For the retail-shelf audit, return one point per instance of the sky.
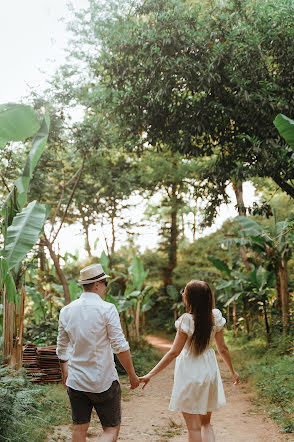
(33, 37)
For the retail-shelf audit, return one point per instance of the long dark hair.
(199, 302)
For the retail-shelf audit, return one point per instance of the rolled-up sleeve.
(62, 341)
(115, 334)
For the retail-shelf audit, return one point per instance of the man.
(88, 334)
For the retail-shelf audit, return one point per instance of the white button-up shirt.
(89, 333)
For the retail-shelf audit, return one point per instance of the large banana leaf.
(172, 292)
(137, 273)
(24, 232)
(17, 122)
(249, 227)
(285, 127)
(3, 271)
(11, 293)
(18, 195)
(220, 265)
(104, 261)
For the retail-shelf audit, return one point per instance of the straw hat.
(92, 273)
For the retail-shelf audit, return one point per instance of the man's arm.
(62, 350)
(126, 361)
(120, 346)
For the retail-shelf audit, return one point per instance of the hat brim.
(86, 281)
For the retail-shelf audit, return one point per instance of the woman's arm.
(225, 354)
(175, 350)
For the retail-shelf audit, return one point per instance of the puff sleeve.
(185, 323)
(219, 320)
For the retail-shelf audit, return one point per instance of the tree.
(175, 179)
(204, 79)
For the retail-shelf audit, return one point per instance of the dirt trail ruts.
(145, 414)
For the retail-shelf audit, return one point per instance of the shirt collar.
(90, 295)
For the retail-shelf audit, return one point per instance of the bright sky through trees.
(33, 36)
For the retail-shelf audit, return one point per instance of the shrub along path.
(146, 416)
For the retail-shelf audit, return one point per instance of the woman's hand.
(145, 379)
(235, 377)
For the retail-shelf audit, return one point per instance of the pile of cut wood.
(42, 364)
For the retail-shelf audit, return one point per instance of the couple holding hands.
(90, 332)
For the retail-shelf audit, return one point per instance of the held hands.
(134, 382)
(235, 377)
(145, 379)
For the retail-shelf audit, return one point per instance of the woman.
(197, 389)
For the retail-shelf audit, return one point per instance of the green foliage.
(285, 127)
(23, 233)
(144, 356)
(270, 371)
(27, 411)
(17, 122)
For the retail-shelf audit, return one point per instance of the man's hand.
(134, 382)
(64, 372)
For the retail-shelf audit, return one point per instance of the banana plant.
(22, 224)
(274, 246)
(285, 127)
(230, 288)
(135, 299)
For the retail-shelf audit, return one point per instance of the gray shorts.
(107, 405)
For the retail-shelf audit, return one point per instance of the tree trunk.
(113, 236)
(194, 225)
(228, 314)
(126, 325)
(238, 189)
(284, 295)
(16, 356)
(266, 322)
(235, 316)
(143, 320)
(87, 242)
(58, 269)
(137, 319)
(8, 326)
(172, 253)
(246, 319)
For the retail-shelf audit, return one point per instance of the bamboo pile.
(42, 364)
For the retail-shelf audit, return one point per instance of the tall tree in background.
(173, 177)
(202, 79)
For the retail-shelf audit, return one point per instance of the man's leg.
(108, 408)
(79, 432)
(81, 408)
(110, 434)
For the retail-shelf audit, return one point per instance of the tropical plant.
(21, 224)
(135, 300)
(275, 247)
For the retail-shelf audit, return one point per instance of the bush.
(269, 368)
(28, 411)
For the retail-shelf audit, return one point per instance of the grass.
(29, 411)
(269, 369)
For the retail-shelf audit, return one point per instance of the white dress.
(197, 385)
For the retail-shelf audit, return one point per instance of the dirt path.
(146, 416)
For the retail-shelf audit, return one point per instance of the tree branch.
(4, 182)
(70, 199)
(284, 185)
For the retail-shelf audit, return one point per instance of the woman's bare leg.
(193, 423)
(207, 433)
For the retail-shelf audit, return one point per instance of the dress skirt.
(198, 387)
